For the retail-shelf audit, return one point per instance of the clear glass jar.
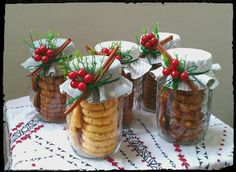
(150, 90)
(182, 116)
(133, 101)
(47, 99)
(95, 129)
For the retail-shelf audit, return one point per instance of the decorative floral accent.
(149, 40)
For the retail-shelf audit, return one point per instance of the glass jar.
(94, 129)
(47, 98)
(183, 116)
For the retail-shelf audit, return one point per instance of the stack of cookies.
(149, 91)
(48, 100)
(183, 120)
(93, 128)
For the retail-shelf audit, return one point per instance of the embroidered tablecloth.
(34, 144)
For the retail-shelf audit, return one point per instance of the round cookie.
(54, 94)
(44, 85)
(48, 100)
(101, 113)
(101, 136)
(98, 106)
(99, 144)
(99, 128)
(101, 121)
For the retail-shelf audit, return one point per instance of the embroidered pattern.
(128, 160)
(157, 144)
(202, 155)
(114, 163)
(222, 143)
(140, 148)
(181, 156)
(81, 165)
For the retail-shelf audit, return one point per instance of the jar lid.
(202, 75)
(137, 67)
(175, 42)
(120, 87)
(30, 63)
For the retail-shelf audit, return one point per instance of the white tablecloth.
(34, 144)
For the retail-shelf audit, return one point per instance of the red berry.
(72, 75)
(175, 74)
(184, 76)
(150, 35)
(37, 51)
(153, 41)
(105, 51)
(166, 71)
(82, 86)
(45, 59)
(43, 49)
(37, 58)
(174, 64)
(118, 57)
(74, 84)
(144, 39)
(148, 45)
(110, 51)
(81, 73)
(88, 78)
(49, 53)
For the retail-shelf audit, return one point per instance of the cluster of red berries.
(149, 41)
(107, 52)
(172, 70)
(42, 54)
(80, 79)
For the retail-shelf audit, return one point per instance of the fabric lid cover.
(136, 68)
(193, 57)
(53, 70)
(121, 87)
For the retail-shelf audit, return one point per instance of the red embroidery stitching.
(114, 163)
(222, 143)
(181, 156)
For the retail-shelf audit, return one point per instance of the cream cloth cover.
(53, 70)
(175, 42)
(193, 57)
(136, 68)
(121, 87)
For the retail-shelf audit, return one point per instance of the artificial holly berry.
(184, 76)
(82, 86)
(49, 53)
(45, 59)
(43, 49)
(118, 57)
(37, 57)
(174, 74)
(88, 78)
(166, 71)
(174, 64)
(72, 75)
(148, 45)
(150, 35)
(81, 73)
(144, 39)
(74, 84)
(153, 41)
(105, 51)
(37, 51)
(110, 51)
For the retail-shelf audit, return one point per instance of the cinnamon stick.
(57, 51)
(163, 51)
(168, 39)
(192, 86)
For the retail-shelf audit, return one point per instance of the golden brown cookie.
(99, 128)
(98, 106)
(103, 120)
(101, 136)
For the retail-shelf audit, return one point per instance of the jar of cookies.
(147, 47)
(46, 76)
(184, 95)
(95, 90)
(133, 68)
